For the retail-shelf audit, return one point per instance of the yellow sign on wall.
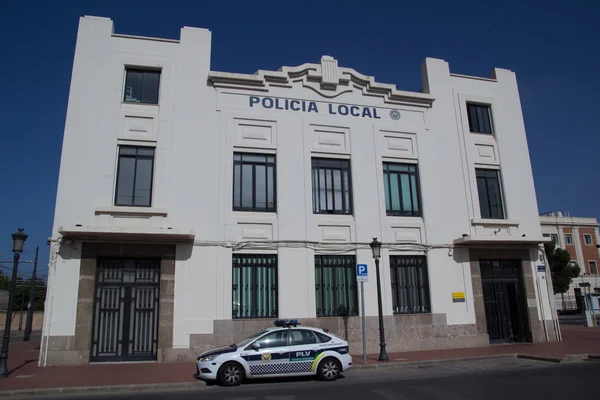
(458, 297)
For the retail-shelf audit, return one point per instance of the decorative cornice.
(327, 79)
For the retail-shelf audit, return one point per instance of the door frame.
(501, 287)
(127, 309)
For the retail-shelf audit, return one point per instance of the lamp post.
(376, 248)
(19, 239)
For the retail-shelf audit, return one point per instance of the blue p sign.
(362, 273)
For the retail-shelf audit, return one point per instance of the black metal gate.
(505, 301)
(125, 325)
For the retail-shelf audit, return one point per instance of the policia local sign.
(275, 103)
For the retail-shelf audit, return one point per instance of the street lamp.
(376, 248)
(19, 239)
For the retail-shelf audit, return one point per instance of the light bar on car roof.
(287, 322)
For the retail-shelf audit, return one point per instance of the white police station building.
(195, 207)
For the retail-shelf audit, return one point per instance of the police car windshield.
(250, 338)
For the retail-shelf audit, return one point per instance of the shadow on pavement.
(266, 381)
(263, 381)
(20, 366)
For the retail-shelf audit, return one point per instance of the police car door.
(304, 350)
(271, 357)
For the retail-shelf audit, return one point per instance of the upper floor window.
(253, 182)
(401, 183)
(479, 118)
(554, 238)
(490, 196)
(141, 86)
(587, 239)
(134, 176)
(593, 267)
(568, 238)
(332, 192)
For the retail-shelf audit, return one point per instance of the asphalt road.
(512, 379)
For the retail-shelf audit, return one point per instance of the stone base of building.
(402, 332)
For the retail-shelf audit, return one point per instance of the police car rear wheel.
(329, 369)
(231, 374)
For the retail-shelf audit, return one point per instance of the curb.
(540, 358)
(28, 393)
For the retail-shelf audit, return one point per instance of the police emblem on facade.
(266, 357)
(395, 114)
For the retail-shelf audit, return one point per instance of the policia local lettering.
(312, 106)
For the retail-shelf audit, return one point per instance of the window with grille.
(134, 176)
(331, 186)
(410, 284)
(253, 182)
(254, 286)
(401, 183)
(490, 195)
(479, 118)
(335, 286)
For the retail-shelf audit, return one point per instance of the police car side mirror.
(255, 346)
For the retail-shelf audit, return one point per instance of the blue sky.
(552, 46)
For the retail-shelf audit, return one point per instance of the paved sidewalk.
(576, 340)
(25, 374)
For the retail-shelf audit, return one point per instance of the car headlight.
(207, 358)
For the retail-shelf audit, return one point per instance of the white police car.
(283, 350)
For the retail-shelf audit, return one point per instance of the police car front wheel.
(231, 374)
(329, 369)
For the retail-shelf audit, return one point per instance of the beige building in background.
(580, 237)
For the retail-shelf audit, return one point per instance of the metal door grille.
(504, 300)
(126, 299)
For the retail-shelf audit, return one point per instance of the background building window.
(253, 182)
(141, 86)
(410, 284)
(331, 186)
(401, 184)
(335, 286)
(568, 238)
(134, 176)
(593, 267)
(490, 197)
(554, 238)
(254, 286)
(587, 239)
(479, 118)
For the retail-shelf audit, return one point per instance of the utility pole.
(31, 305)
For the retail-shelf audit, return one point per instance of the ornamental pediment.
(327, 79)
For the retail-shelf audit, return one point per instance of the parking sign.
(362, 273)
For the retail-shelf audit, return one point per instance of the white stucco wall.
(198, 125)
